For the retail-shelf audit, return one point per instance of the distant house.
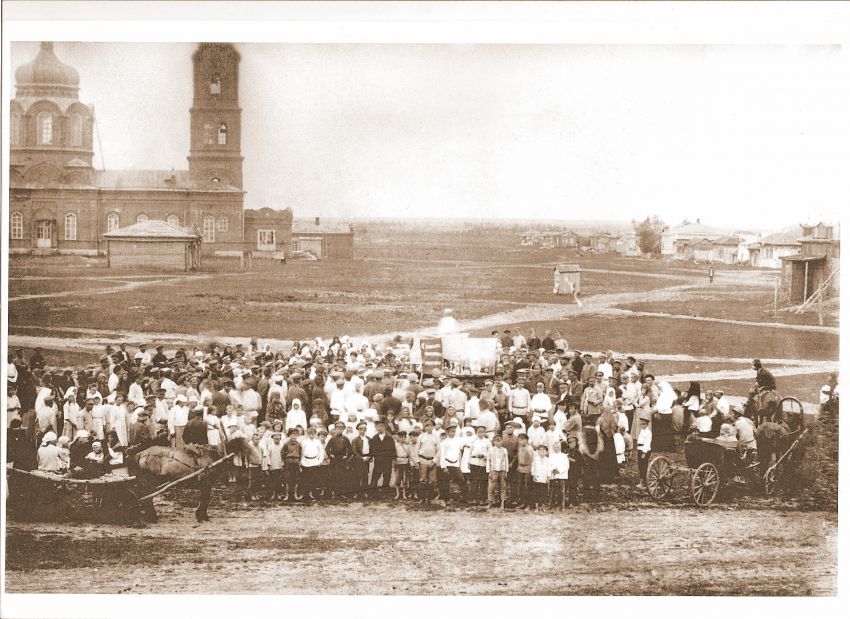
(536, 238)
(627, 244)
(268, 232)
(746, 238)
(530, 238)
(698, 250)
(725, 249)
(322, 239)
(568, 239)
(817, 262)
(690, 231)
(768, 251)
(153, 244)
(603, 242)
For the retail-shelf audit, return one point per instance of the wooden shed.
(153, 244)
(567, 279)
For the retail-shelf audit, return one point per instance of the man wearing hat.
(382, 449)
(340, 452)
(142, 431)
(159, 359)
(519, 402)
(450, 454)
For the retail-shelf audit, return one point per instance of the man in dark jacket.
(339, 451)
(382, 450)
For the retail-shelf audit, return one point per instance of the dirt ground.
(383, 548)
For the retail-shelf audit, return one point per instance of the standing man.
(382, 449)
(519, 401)
(340, 452)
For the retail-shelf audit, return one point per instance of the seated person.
(96, 462)
(48, 454)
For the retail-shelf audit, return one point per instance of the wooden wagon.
(712, 464)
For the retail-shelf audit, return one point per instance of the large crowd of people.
(549, 427)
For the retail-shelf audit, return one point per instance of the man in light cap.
(178, 417)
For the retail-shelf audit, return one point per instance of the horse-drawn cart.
(51, 496)
(712, 464)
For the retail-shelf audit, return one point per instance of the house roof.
(568, 268)
(693, 228)
(788, 236)
(154, 180)
(730, 240)
(309, 226)
(152, 228)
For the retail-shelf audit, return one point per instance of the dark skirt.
(662, 432)
(608, 468)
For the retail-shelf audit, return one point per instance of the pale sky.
(498, 131)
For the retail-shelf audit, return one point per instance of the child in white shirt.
(541, 470)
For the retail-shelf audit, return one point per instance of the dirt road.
(390, 549)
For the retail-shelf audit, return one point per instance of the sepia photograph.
(340, 316)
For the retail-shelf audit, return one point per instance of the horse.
(762, 405)
(157, 465)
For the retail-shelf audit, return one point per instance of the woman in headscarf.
(98, 418)
(45, 411)
(662, 421)
(607, 427)
(117, 419)
(296, 416)
(70, 413)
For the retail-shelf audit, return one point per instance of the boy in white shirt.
(560, 473)
(644, 448)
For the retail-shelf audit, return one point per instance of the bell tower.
(216, 131)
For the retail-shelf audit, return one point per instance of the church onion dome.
(46, 72)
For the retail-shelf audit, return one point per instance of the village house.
(603, 242)
(687, 231)
(815, 266)
(627, 244)
(323, 239)
(768, 251)
(726, 249)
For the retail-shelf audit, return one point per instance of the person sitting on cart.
(759, 398)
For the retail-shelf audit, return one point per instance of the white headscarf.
(666, 397)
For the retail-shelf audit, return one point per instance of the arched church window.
(45, 128)
(112, 222)
(215, 85)
(222, 134)
(70, 227)
(16, 228)
(174, 220)
(141, 218)
(76, 130)
(209, 134)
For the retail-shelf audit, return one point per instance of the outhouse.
(567, 279)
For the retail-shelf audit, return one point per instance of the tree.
(649, 235)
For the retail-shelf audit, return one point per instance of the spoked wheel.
(704, 484)
(792, 412)
(659, 478)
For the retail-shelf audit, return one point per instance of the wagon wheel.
(659, 478)
(299, 493)
(792, 411)
(705, 484)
